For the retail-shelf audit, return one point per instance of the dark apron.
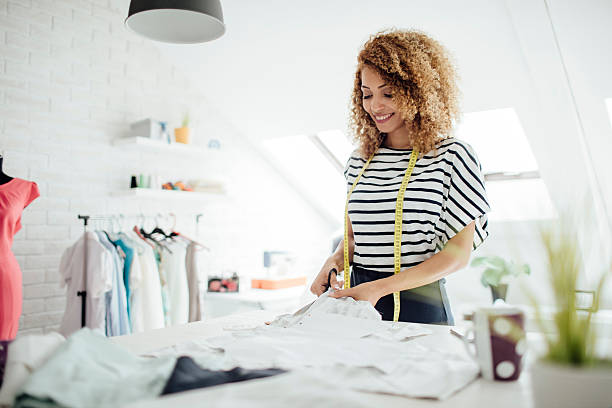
(425, 304)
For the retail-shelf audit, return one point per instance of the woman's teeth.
(383, 118)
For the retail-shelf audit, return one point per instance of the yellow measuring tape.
(397, 232)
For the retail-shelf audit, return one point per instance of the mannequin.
(15, 195)
(4, 178)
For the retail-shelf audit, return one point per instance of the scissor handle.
(329, 277)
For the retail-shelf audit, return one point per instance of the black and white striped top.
(445, 193)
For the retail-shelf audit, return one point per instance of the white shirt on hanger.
(147, 311)
(99, 281)
(175, 273)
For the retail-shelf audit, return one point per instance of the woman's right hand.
(319, 285)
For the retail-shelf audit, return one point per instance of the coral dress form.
(15, 195)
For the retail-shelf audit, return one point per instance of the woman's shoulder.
(453, 146)
(356, 155)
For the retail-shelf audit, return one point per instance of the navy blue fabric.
(426, 304)
(187, 375)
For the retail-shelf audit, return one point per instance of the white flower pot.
(560, 386)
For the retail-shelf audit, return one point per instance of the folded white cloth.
(25, 355)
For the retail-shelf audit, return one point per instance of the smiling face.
(378, 103)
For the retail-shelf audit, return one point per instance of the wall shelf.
(151, 193)
(144, 143)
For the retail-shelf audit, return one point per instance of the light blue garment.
(110, 300)
(127, 266)
(89, 370)
(117, 317)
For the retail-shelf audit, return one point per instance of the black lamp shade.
(176, 21)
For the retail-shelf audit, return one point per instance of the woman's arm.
(338, 254)
(336, 260)
(454, 256)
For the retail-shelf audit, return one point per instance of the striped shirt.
(445, 193)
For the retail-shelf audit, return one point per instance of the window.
(313, 173)
(514, 187)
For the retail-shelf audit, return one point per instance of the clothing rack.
(86, 219)
(83, 293)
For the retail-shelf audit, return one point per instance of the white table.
(480, 393)
(218, 304)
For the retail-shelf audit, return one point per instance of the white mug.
(500, 342)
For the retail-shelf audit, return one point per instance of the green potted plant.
(570, 373)
(181, 135)
(497, 274)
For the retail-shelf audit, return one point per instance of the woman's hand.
(365, 291)
(319, 285)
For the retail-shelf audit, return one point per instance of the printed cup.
(499, 341)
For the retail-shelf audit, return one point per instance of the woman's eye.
(369, 96)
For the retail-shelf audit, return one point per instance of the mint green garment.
(89, 370)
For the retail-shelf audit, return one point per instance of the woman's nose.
(377, 105)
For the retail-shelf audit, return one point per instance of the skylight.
(499, 140)
(496, 135)
(305, 165)
(502, 147)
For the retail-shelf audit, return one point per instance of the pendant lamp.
(176, 21)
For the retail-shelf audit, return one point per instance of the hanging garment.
(163, 281)
(99, 281)
(116, 303)
(127, 266)
(195, 280)
(134, 279)
(175, 274)
(15, 195)
(147, 305)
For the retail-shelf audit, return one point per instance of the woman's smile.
(383, 118)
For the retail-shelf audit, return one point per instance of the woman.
(405, 101)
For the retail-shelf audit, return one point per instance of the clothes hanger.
(158, 230)
(186, 237)
(153, 239)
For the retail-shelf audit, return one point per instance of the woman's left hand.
(365, 291)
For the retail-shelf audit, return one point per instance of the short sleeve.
(351, 169)
(32, 195)
(466, 198)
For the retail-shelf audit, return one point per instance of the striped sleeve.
(467, 199)
(347, 170)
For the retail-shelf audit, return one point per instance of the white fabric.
(299, 389)
(175, 274)
(99, 281)
(25, 355)
(196, 280)
(366, 353)
(147, 308)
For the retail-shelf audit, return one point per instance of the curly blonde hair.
(423, 85)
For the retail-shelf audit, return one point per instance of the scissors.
(333, 270)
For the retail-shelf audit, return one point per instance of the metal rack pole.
(83, 293)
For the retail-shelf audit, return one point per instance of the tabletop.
(479, 393)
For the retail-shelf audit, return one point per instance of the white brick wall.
(71, 80)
